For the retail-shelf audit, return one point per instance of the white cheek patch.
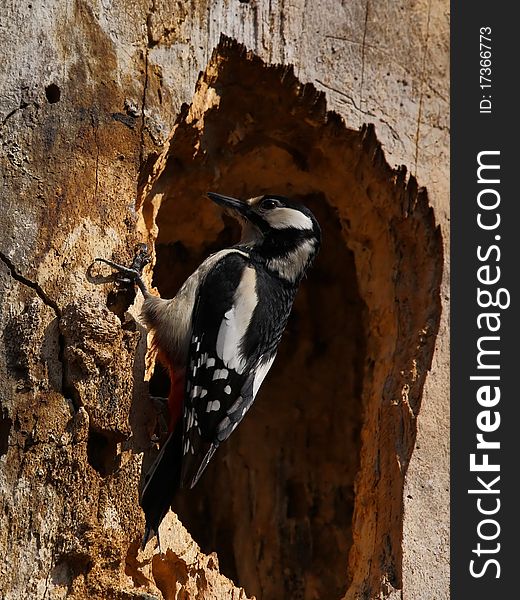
(292, 265)
(283, 218)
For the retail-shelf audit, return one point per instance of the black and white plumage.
(221, 332)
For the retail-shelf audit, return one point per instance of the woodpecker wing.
(221, 380)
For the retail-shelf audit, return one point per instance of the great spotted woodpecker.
(219, 336)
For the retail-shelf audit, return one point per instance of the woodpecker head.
(283, 233)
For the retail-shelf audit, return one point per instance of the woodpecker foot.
(132, 274)
(141, 259)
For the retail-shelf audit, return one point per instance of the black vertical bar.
(484, 120)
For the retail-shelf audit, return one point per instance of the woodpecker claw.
(121, 268)
(141, 258)
(133, 273)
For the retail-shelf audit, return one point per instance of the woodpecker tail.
(162, 483)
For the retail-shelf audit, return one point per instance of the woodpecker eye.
(269, 204)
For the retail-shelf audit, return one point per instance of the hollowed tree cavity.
(276, 502)
(305, 499)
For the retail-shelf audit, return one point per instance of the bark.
(115, 120)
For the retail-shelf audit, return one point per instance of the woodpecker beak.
(236, 206)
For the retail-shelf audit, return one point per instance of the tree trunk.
(116, 119)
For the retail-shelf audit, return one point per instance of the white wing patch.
(236, 321)
(291, 265)
(283, 218)
(159, 314)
